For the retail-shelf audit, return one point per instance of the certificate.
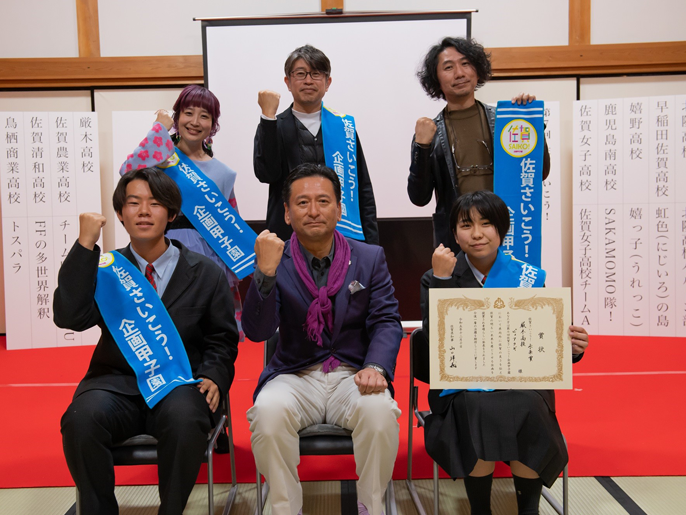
(500, 338)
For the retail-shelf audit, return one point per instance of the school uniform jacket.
(197, 298)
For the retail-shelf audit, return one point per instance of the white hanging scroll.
(630, 216)
(49, 173)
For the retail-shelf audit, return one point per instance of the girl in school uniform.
(468, 431)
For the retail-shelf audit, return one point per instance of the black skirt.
(503, 425)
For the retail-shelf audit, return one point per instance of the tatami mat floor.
(588, 496)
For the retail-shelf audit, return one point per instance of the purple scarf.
(320, 311)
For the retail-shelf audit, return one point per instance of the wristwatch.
(378, 368)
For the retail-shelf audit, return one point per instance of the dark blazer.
(197, 298)
(277, 152)
(432, 170)
(463, 277)
(366, 326)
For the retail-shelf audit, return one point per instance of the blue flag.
(212, 216)
(142, 328)
(518, 142)
(340, 152)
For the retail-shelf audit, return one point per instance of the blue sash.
(340, 152)
(508, 272)
(212, 216)
(142, 328)
(518, 175)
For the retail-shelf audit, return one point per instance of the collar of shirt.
(479, 276)
(164, 265)
(319, 268)
(312, 121)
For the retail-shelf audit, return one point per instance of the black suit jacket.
(462, 277)
(277, 152)
(197, 298)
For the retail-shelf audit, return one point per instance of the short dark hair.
(488, 204)
(162, 187)
(315, 59)
(473, 51)
(311, 170)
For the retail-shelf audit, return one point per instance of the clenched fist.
(164, 118)
(269, 102)
(90, 225)
(424, 131)
(268, 252)
(443, 261)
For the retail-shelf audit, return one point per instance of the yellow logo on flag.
(518, 138)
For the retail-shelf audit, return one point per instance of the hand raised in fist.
(443, 261)
(268, 252)
(164, 118)
(424, 131)
(90, 225)
(269, 102)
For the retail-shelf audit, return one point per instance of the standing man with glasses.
(453, 153)
(301, 134)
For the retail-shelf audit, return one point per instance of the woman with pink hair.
(195, 120)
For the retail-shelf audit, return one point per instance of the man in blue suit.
(339, 334)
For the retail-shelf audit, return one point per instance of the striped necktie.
(148, 275)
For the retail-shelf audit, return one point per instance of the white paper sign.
(49, 173)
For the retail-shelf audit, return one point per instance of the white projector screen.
(374, 61)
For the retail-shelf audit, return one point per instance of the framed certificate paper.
(500, 338)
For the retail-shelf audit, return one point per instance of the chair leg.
(210, 480)
(391, 508)
(435, 488)
(261, 494)
(234, 485)
(565, 491)
(258, 504)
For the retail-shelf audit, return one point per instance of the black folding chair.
(317, 440)
(142, 450)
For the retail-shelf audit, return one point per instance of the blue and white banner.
(340, 152)
(508, 272)
(518, 175)
(142, 328)
(212, 216)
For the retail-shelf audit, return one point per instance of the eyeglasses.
(302, 74)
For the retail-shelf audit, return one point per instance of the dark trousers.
(97, 419)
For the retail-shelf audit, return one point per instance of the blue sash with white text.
(142, 328)
(508, 272)
(518, 174)
(340, 152)
(212, 216)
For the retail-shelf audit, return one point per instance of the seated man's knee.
(85, 417)
(272, 413)
(184, 412)
(377, 410)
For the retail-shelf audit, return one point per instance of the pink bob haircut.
(197, 96)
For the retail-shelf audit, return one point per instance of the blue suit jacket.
(366, 326)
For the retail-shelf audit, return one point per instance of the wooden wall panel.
(89, 28)
(579, 22)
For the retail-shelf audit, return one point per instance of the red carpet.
(622, 419)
